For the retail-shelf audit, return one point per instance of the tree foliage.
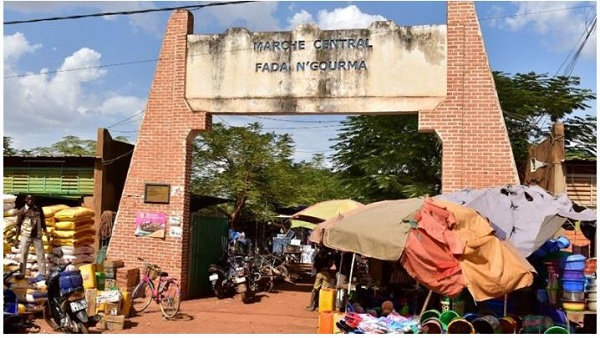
(529, 100)
(252, 168)
(8, 149)
(383, 157)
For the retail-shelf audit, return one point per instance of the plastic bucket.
(460, 326)
(508, 325)
(557, 329)
(486, 324)
(447, 317)
(431, 326)
(470, 317)
(433, 313)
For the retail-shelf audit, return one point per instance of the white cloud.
(257, 16)
(61, 103)
(560, 28)
(300, 18)
(16, 45)
(340, 18)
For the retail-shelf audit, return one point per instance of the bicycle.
(166, 295)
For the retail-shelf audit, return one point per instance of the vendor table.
(577, 316)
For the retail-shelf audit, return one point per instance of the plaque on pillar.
(157, 193)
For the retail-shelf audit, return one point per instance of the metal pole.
(351, 271)
(426, 302)
(339, 271)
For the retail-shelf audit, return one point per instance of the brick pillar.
(162, 155)
(469, 122)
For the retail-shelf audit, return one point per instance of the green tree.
(8, 149)
(528, 100)
(383, 157)
(315, 182)
(244, 165)
(73, 145)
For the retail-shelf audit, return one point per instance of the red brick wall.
(162, 155)
(476, 149)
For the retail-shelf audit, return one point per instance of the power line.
(70, 17)
(126, 119)
(233, 50)
(112, 160)
(537, 12)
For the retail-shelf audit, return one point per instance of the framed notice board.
(157, 193)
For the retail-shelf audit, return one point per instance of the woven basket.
(152, 271)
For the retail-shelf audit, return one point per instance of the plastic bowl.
(591, 304)
(575, 262)
(447, 316)
(573, 296)
(556, 330)
(591, 296)
(573, 285)
(563, 242)
(573, 306)
(573, 274)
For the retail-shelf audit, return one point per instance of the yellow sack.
(11, 212)
(88, 240)
(74, 213)
(72, 225)
(50, 230)
(51, 210)
(50, 221)
(75, 234)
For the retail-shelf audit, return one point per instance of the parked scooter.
(66, 309)
(13, 321)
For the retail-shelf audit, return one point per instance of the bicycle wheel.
(169, 299)
(141, 297)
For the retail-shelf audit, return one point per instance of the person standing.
(322, 263)
(30, 224)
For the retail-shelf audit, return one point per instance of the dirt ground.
(279, 312)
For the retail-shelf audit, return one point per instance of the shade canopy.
(322, 211)
(376, 230)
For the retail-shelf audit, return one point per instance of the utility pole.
(546, 162)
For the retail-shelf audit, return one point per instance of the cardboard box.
(90, 298)
(110, 272)
(113, 309)
(118, 263)
(129, 277)
(112, 322)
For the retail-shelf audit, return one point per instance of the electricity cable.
(141, 11)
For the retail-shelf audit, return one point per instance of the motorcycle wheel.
(83, 328)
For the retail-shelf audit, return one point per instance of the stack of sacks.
(32, 265)
(10, 220)
(49, 212)
(74, 236)
(31, 295)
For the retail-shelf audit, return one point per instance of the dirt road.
(278, 312)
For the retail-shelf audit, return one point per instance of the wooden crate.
(128, 278)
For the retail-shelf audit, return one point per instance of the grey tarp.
(527, 216)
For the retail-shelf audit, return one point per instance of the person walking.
(30, 224)
(322, 263)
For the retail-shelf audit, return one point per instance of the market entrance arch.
(440, 72)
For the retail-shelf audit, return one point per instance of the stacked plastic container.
(590, 287)
(573, 283)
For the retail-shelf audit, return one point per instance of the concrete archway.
(464, 111)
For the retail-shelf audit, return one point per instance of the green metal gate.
(208, 237)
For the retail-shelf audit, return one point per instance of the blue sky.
(519, 37)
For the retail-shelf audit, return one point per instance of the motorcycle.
(66, 309)
(233, 274)
(13, 321)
